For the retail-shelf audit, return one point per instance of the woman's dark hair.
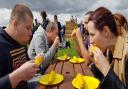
(103, 17)
(89, 13)
(121, 20)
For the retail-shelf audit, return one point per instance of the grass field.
(70, 52)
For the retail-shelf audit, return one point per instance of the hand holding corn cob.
(92, 48)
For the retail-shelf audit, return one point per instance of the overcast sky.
(63, 8)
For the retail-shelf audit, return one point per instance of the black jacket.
(111, 81)
(12, 56)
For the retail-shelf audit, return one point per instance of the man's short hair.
(89, 13)
(19, 12)
(51, 26)
(43, 14)
(55, 16)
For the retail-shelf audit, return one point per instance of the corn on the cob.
(39, 59)
(80, 81)
(51, 77)
(92, 49)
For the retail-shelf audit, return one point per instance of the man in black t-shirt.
(59, 27)
(45, 19)
(15, 69)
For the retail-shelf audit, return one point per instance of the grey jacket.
(39, 44)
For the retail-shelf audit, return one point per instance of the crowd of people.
(106, 30)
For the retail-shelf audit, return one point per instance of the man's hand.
(23, 73)
(27, 70)
(56, 42)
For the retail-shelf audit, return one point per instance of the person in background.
(122, 24)
(34, 28)
(104, 33)
(63, 33)
(44, 41)
(81, 26)
(59, 27)
(36, 24)
(45, 19)
(15, 67)
(80, 45)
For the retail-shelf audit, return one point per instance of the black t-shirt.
(45, 23)
(12, 56)
(59, 26)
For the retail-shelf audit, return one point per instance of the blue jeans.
(32, 85)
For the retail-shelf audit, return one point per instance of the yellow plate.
(90, 82)
(78, 60)
(62, 58)
(44, 79)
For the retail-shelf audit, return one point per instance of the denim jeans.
(32, 85)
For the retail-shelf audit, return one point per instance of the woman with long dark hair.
(103, 32)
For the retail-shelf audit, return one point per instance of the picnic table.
(69, 71)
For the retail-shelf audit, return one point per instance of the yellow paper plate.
(90, 82)
(44, 79)
(63, 58)
(77, 60)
